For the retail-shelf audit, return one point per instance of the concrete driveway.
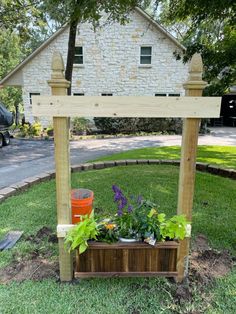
(24, 158)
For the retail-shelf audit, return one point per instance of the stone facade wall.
(111, 62)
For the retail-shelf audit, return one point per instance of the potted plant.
(137, 241)
(78, 237)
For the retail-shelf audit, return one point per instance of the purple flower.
(117, 197)
(123, 201)
(120, 212)
(130, 208)
(116, 189)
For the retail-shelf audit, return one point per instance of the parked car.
(6, 120)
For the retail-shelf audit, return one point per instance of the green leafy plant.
(80, 126)
(174, 228)
(78, 236)
(107, 231)
(24, 130)
(35, 129)
(49, 131)
(142, 220)
(30, 129)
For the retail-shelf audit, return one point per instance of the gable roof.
(15, 71)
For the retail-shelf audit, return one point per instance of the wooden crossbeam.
(127, 106)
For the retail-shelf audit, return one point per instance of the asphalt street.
(25, 158)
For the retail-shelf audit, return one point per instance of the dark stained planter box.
(128, 260)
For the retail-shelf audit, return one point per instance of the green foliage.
(49, 131)
(208, 27)
(78, 236)
(21, 17)
(30, 130)
(173, 228)
(35, 129)
(143, 221)
(133, 125)
(90, 10)
(80, 125)
(24, 130)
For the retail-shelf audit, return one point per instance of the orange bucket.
(81, 204)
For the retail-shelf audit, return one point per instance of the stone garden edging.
(26, 183)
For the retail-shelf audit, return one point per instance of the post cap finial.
(196, 68)
(57, 65)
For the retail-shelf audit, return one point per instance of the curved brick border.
(23, 185)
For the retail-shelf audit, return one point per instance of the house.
(132, 59)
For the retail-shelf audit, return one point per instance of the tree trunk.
(71, 53)
(17, 113)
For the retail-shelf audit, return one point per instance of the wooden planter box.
(127, 260)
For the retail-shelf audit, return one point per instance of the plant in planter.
(136, 220)
(142, 221)
(78, 237)
(107, 231)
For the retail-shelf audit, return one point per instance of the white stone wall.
(111, 62)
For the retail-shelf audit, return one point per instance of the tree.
(208, 27)
(10, 55)
(80, 11)
(23, 26)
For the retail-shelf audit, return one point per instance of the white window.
(145, 55)
(79, 58)
(107, 94)
(30, 96)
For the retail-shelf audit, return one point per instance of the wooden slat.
(122, 274)
(135, 245)
(127, 106)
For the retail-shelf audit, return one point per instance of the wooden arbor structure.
(191, 108)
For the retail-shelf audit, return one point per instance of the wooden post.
(59, 86)
(193, 87)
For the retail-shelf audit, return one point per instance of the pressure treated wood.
(193, 87)
(128, 260)
(62, 163)
(127, 106)
(122, 274)
(139, 259)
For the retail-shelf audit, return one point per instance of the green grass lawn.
(214, 215)
(224, 156)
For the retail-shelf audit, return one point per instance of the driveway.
(24, 158)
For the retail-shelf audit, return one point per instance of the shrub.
(24, 130)
(81, 126)
(30, 129)
(133, 125)
(35, 129)
(49, 131)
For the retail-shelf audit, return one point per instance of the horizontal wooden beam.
(127, 106)
(125, 274)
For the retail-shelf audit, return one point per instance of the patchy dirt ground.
(205, 265)
(36, 269)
